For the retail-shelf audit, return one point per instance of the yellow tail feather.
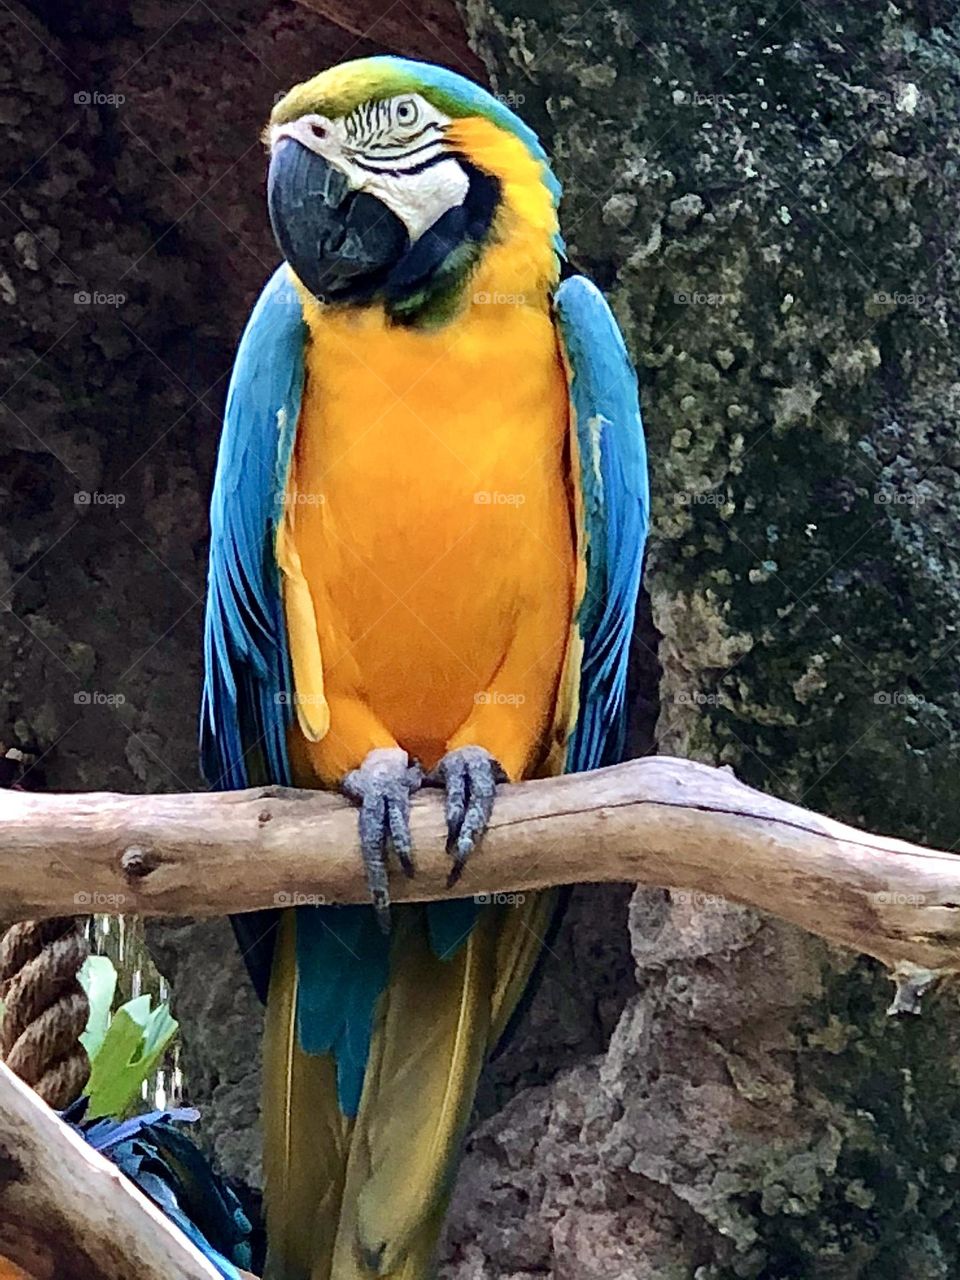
(365, 1199)
(433, 1033)
(305, 1137)
(519, 945)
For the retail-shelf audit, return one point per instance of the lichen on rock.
(767, 198)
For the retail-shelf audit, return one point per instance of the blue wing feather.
(605, 414)
(342, 967)
(246, 704)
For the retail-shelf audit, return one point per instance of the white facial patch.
(394, 150)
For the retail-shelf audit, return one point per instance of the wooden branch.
(657, 821)
(67, 1211)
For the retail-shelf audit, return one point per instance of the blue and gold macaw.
(427, 531)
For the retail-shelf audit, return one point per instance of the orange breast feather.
(431, 514)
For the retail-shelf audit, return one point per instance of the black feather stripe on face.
(437, 264)
(398, 171)
(432, 126)
(370, 125)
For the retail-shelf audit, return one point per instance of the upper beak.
(341, 243)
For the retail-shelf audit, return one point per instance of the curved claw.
(469, 775)
(382, 787)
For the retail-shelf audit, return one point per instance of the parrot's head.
(396, 181)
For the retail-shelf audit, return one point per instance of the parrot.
(427, 524)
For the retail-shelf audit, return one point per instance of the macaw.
(427, 529)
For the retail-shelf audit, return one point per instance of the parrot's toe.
(469, 775)
(382, 787)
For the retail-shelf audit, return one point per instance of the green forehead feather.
(342, 89)
(338, 92)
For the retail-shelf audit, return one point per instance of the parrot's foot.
(382, 787)
(469, 775)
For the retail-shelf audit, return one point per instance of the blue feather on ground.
(168, 1168)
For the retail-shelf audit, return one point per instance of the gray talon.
(469, 775)
(382, 787)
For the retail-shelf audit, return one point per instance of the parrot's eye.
(407, 112)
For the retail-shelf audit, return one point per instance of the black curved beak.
(341, 243)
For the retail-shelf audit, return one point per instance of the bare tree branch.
(657, 821)
(65, 1210)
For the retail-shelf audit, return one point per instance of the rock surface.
(768, 199)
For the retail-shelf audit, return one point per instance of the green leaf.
(132, 1047)
(98, 977)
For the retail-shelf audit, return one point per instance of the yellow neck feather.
(521, 257)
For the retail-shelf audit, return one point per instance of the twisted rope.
(46, 1009)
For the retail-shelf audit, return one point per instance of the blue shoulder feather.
(246, 693)
(605, 414)
(246, 703)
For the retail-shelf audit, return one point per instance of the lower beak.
(340, 242)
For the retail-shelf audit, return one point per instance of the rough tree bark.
(66, 1211)
(768, 195)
